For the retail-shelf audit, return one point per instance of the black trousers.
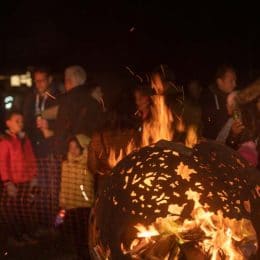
(18, 215)
(47, 201)
(76, 226)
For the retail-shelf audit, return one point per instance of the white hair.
(76, 74)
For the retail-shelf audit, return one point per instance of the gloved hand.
(34, 183)
(11, 189)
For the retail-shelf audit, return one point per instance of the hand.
(237, 127)
(33, 183)
(11, 190)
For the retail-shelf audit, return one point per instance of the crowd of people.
(54, 153)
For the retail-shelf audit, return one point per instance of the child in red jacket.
(18, 170)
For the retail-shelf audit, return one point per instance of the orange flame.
(191, 137)
(221, 235)
(146, 232)
(160, 125)
(113, 159)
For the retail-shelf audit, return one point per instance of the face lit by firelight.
(228, 82)
(42, 81)
(15, 123)
(74, 149)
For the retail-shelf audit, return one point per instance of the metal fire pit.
(144, 184)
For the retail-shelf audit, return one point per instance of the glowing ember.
(217, 237)
(146, 232)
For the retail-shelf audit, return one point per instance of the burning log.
(167, 201)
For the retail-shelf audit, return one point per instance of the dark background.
(193, 39)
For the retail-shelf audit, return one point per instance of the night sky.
(192, 39)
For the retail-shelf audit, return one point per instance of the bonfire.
(168, 200)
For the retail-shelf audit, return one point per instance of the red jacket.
(17, 160)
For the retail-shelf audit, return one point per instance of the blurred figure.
(233, 123)
(41, 98)
(117, 132)
(18, 173)
(92, 112)
(143, 102)
(40, 131)
(243, 128)
(213, 101)
(77, 111)
(192, 106)
(77, 193)
(194, 90)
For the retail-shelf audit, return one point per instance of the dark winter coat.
(78, 113)
(214, 111)
(30, 113)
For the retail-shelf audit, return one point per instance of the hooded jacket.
(17, 160)
(77, 183)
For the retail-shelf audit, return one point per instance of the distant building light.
(15, 81)
(8, 102)
(24, 79)
(8, 106)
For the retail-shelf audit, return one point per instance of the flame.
(161, 124)
(191, 137)
(180, 126)
(219, 236)
(113, 159)
(146, 232)
(221, 232)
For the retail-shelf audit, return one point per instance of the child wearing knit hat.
(77, 193)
